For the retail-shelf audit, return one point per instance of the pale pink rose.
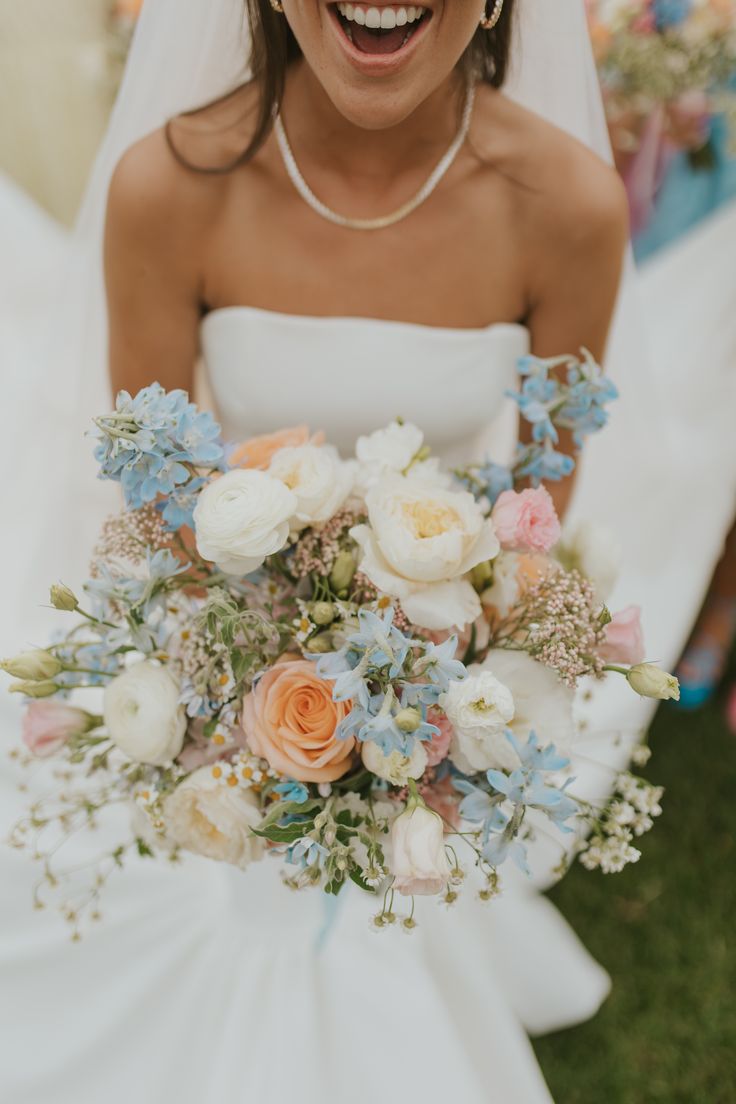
(48, 725)
(624, 641)
(526, 521)
(259, 451)
(443, 799)
(438, 747)
(290, 720)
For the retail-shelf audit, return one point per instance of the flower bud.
(62, 598)
(408, 720)
(652, 682)
(320, 645)
(342, 572)
(419, 862)
(323, 613)
(482, 575)
(37, 665)
(34, 689)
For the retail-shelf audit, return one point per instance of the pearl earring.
(488, 22)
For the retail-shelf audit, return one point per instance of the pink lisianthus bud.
(47, 726)
(624, 639)
(526, 521)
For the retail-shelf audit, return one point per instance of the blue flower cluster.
(670, 13)
(524, 788)
(379, 654)
(150, 445)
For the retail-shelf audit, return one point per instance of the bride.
(370, 222)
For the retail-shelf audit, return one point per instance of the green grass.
(665, 929)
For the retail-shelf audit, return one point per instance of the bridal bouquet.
(363, 668)
(673, 58)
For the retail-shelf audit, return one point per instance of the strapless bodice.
(349, 376)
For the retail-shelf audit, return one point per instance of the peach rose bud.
(47, 726)
(258, 452)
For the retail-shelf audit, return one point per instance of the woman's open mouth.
(384, 30)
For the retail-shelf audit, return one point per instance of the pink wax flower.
(624, 641)
(438, 747)
(526, 521)
(48, 725)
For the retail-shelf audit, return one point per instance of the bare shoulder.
(173, 177)
(565, 191)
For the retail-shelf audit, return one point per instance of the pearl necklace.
(385, 220)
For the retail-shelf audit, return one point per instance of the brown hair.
(274, 47)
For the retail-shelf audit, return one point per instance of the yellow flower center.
(430, 519)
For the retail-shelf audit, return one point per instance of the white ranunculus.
(595, 552)
(479, 709)
(418, 859)
(420, 543)
(391, 449)
(241, 518)
(395, 768)
(542, 703)
(143, 715)
(319, 479)
(503, 592)
(210, 818)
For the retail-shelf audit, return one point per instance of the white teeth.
(386, 17)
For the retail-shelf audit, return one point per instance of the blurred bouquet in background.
(365, 667)
(667, 69)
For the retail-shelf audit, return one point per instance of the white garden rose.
(210, 818)
(318, 478)
(395, 767)
(241, 518)
(418, 858)
(594, 551)
(143, 715)
(479, 709)
(421, 542)
(541, 702)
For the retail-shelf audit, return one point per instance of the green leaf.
(143, 849)
(290, 834)
(289, 808)
(357, 877)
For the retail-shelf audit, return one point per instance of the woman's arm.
(577, 274)
(151, 277)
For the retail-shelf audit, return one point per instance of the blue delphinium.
(522, 789)
(381, 724)
(292, 791)
(151, 443)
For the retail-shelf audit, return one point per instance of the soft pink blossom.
(438, 747)
(443, 799)
(624, 639)
(48, 725)
(526, 521)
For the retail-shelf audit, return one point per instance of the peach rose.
(290, 720)
(259, 451)
(526, 521)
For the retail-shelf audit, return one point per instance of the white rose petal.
(241, 519)
(143, 715)
(395, 768)
(318, 478)
(480, 709)
(420, 539)
(418, 857)
(388, 450)
(210, 818)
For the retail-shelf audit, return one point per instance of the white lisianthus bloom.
(595, 552)
(479, 709)
(241, 518)
(421, 542)
(143, 715)
(418, 859)
(318, 478)
(210, 818)
(395, 768)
